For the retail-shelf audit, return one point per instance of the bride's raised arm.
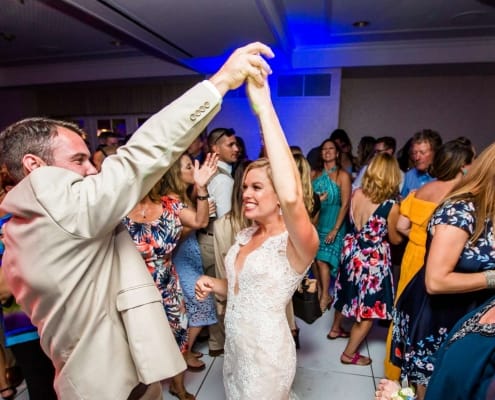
(303, 239)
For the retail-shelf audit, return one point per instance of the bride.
(264, 267)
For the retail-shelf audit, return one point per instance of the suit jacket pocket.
(152, 345)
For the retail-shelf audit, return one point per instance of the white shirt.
(220, 188)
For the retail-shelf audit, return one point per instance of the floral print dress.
(422, 321)
(156, 240)
(365, 284)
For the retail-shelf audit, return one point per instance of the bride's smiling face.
(259, 199)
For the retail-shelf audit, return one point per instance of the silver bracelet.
(490, 278)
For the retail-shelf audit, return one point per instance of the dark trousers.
(37, 369)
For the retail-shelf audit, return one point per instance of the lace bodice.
(266, 271)
(260, 358)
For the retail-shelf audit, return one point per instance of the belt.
(205, 232)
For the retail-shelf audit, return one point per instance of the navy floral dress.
(156, 240)
(364, 287)
(422, 321)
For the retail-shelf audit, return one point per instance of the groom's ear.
(30, 162)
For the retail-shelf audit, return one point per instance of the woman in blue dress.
(459, 268)
(333, 185)
(177, 183)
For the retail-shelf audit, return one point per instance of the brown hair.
(30, 136)
(450, 158)
(338, 161)
(172, 182)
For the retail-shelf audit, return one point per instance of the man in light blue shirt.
(424, 145)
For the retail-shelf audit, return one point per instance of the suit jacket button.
(207, 104)
(197, 114)
(192, 117)
(202, 109)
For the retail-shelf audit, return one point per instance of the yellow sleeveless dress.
(419, 212)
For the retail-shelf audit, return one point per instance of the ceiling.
(194, 35)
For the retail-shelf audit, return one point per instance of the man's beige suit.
(76, 272)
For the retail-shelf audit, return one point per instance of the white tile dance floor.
(319, 376)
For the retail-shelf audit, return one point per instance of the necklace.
(143, 210)
(331, 170)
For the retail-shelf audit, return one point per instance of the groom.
(69, 262)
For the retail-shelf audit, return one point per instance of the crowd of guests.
(216, 238)
(442, 205)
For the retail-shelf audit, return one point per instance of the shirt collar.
(225, 166)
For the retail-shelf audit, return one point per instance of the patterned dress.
(156, 240)
(419, 212)
(329, 210)
(187, 260)
(422, 321)
(365, 284)
(468, 352)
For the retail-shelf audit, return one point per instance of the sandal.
(184, 395)
(332, 335)
(197, 354)
(11, 396)
(356, 359)
(194, 364)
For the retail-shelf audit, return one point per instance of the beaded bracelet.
(490, 278)
(205, 197)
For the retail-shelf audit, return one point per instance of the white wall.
(454, 106)
(305, 121)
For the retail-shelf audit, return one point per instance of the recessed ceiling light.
(360, 24)
(116, 43)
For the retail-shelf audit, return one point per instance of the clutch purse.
(305, 301)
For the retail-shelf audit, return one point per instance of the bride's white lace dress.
(260, 356)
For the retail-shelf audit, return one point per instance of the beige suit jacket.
(74, 269)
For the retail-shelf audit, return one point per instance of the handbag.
(305, 301)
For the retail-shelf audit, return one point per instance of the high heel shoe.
(295, 335)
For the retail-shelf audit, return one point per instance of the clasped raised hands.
(244, 62)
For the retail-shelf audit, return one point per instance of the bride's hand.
(259, 96)
(204, 286)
